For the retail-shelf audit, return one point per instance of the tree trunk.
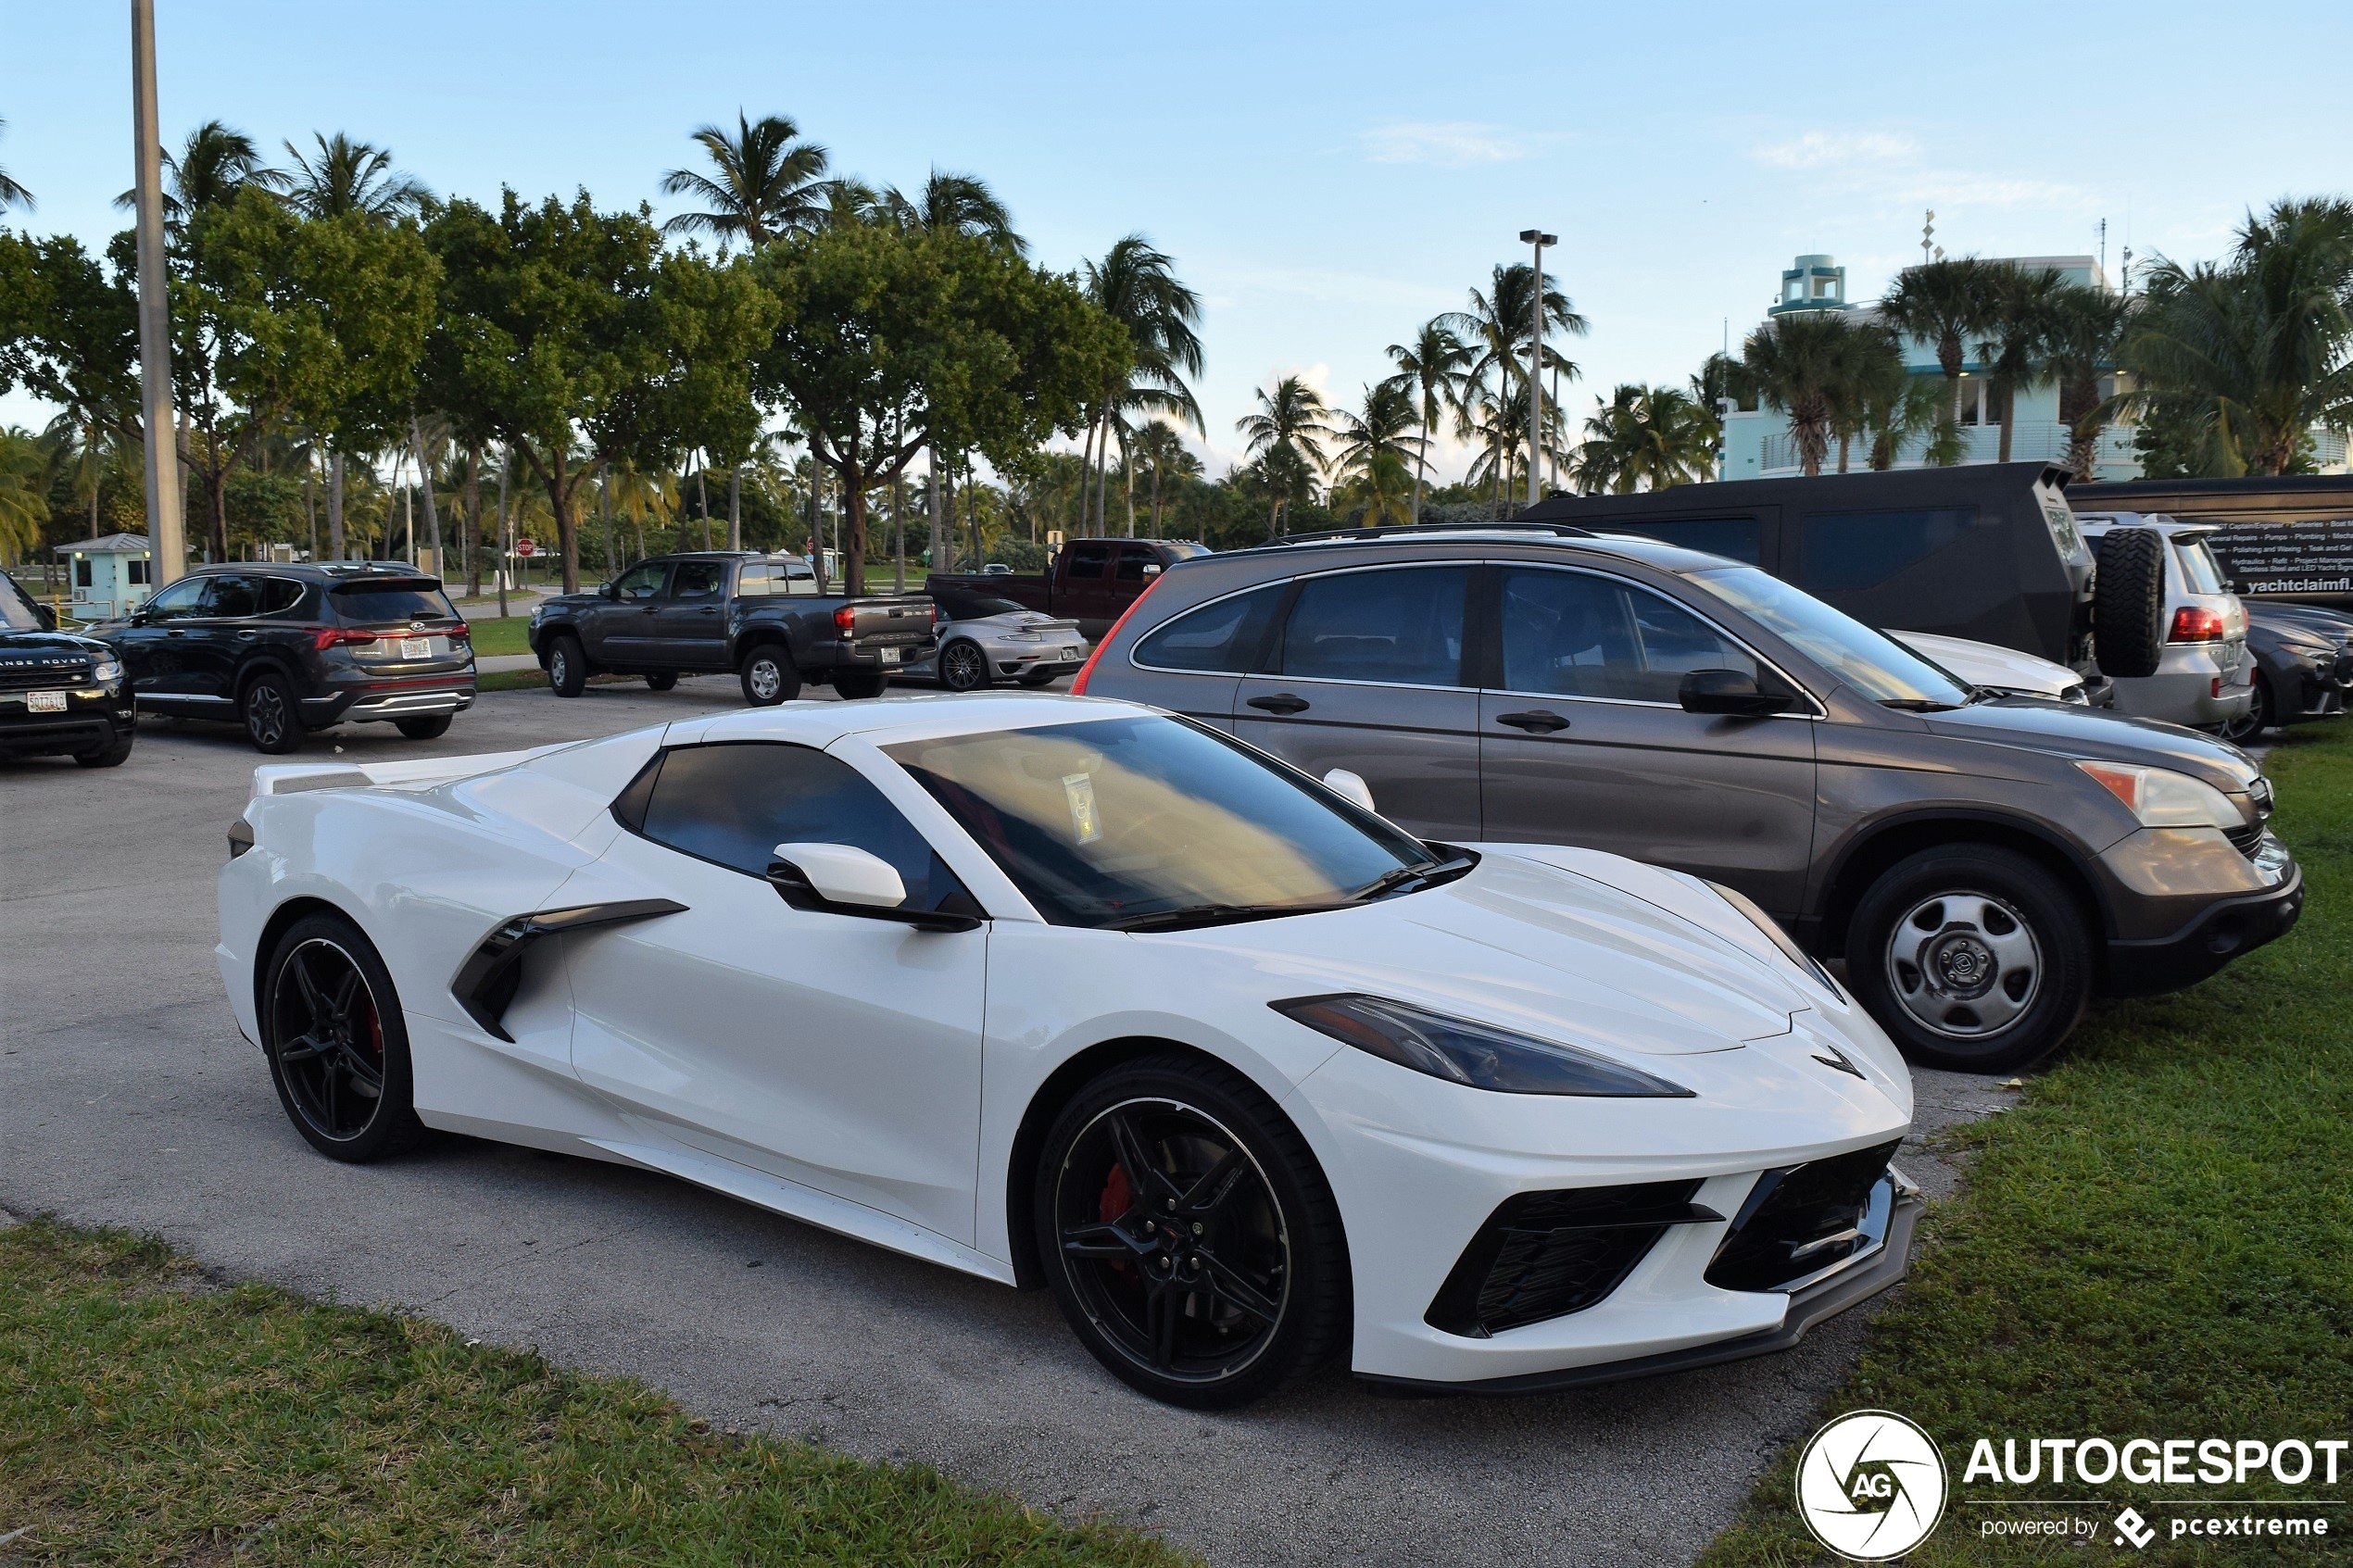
(567, 531)
(2009, 419)
(504, 470)
(433, 513)
(473, 520)
(1128, 483)
(335, 506)
(853, 545)
(1155, 500)
(816, 519)
(735, 508)
(604, 515)
(1845, 440)
(935, 514)
(309, 511)
(1421, 461)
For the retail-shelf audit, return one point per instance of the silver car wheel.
(962, 668)
(766, 682)
(1964, 964)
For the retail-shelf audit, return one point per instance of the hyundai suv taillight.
(337, 637)
(2196, 623)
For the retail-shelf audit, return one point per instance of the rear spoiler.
(292, 778)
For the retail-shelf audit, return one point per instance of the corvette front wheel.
(1189, 1235)
(331, 1026)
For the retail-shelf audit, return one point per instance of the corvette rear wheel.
(1189, 1235)
(331, 1026)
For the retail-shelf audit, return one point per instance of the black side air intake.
(1546, 1254)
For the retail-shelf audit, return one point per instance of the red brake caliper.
(1118, 1197)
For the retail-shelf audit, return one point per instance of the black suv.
(286, 650)
(60, 695)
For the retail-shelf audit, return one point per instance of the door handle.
(1536, 722)
(707, 609)
(1281, 702)
(247, 635)
(175, 631)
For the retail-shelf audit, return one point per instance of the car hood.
(38, 648)
(1983, 664)
(2096, 734)
(1534, 946)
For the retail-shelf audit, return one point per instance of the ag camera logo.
(1870, 1485)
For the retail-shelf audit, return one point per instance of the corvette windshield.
(1871, 662)
(1148, 821)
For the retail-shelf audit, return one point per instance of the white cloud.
(1452, 144)
(1817, 148)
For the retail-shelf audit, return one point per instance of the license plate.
(416, 647)
(44, 702)
(890, 655)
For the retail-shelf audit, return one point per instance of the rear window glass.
(379, 604)
(1088, 560)
(973, 607)
(1221, 638)
(1844, 551)
(2198, 568)
(1740, 538)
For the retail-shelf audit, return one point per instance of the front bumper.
(2213, 936)
(94, 719)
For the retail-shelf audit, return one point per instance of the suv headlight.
(106, 670)
(1480, 1056)
(1779, 938)
(2163, 798)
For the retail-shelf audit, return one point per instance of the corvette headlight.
(2162, 799)
(107, 670)
(1481, 1056)
(1779, 938)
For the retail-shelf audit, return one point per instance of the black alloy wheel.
(567, 667)
(2248, 726)
(266, 710)
(427, 727)
(338, 1050)
(768, 676)
(661, 680)
(963, 666)
(1189, 1234)
(856, 680)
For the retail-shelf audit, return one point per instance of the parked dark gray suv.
(1984, 865)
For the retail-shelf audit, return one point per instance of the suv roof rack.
(1409, 530)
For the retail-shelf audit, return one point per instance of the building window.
(81, 571)
(138, 577)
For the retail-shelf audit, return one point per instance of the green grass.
(2157, 1242)
(147, 1417)
(493, 636)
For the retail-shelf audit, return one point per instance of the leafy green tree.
(1285, 437)
(24, 493)
(316, 322)
(568, 337)
(1436, 367)
(1946, 303)
(343, 178)
(1645, 437)
(767, 183)
(891, 339)
(2237, 361)
(69, 332)
(12, 193)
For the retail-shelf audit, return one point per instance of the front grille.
(1547, 1254)
(2246, 838)
(1800, 1220)
(17, 675)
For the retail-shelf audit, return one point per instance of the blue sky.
(1327, 176)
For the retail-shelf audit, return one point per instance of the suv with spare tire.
(1983, 864)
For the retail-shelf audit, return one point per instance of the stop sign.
(526, 547)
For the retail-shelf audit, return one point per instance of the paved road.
(125, 1097)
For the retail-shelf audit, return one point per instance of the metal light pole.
(167, 545)
(1539, 239)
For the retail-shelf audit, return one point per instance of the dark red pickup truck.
(1089, 581)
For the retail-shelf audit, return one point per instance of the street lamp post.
(167, 543)
(1539, 239)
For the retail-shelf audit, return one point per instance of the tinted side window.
(697, 579)
(279, 594)
(234, 597)
(642, 581)
(1742, 538)
(1400, 627)
(178, 601)
(1573, 635)
(1088, 560)
(758, 579)
(1133, 563)
(735, 802)
(1224, 637)
(1844, 551)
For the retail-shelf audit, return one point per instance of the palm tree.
(10, 192)
(2086, 341)
(1286, 438)
(1137, 285)
(958, 204)
(1378, 450)
(345, 177)
(1158, 448)
(1497, 326)
(2023, 317)
(217, 162)
(768, 183)
(1803, 363)
(1645, 437)
(1434, 368)
(1946, 303)
(2249, 354)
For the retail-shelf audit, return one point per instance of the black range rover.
(284, 649)
(60, 695)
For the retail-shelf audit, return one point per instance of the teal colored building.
(1757, 443)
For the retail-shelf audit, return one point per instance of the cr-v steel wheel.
(1971, 957)
(331, 1026)
(1189, 1234)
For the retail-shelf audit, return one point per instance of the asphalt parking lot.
(126, 1098)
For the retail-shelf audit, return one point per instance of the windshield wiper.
(1391, 881)
(1212, 914)
(1918, 704)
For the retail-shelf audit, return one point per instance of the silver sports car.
(984, 639)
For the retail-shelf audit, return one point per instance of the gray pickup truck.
(762, 617)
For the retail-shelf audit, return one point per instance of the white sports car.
(1068, 992)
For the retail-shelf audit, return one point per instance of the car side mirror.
(609, 590)
(139, 617)
(1151, 569)
(841, 879)
(1729, 692)
(1351, 787)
